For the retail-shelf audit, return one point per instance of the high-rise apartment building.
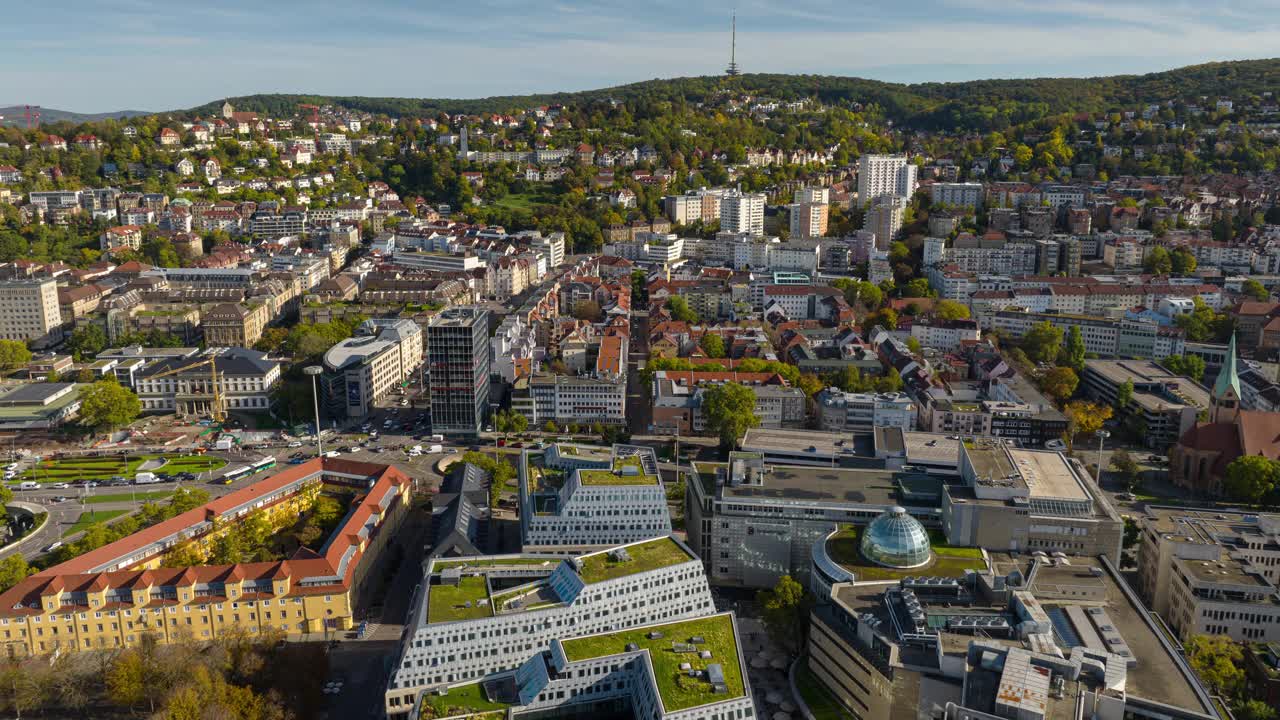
(458, 363)
(742, 213)
(884, 218)
(967, 194)
(808, 219)
(29, 311)
(880, 175)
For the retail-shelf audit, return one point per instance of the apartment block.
(1165, 404)
(29, 311)
(880, 175)
(111, 597)
(742, 213)
(565, 399)
(968, 194)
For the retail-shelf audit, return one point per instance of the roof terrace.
(631, 559)
(669, 647)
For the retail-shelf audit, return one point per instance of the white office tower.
(880, 175)
(742, 213)
(504, 629)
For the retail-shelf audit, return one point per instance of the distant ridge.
(957, 105)
(13, 115)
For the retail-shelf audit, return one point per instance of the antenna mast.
(732, 70)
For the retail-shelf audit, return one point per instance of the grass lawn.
(948, 561)
(92, 517)
(608, 477)
(127, 497)
(464, 700)
(648, 555)
(817, 697)
(448, 602)
(678, 690)
(105, 468)
(525, 201)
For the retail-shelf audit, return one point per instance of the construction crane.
(29, 115)
(315, 120)
(217, 401)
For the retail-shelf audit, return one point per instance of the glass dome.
(896, 539)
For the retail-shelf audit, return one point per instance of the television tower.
(732, 70)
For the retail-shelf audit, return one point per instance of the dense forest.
(972, 105)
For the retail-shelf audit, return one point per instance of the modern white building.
(863, 412)
(967, 194)
(29, 311)
(567, 399)
(880, 175)
(580, 496)
(495, 618)
(742, 212)
(360, 371)
(946, 335)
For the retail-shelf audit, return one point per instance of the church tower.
(1226, 389)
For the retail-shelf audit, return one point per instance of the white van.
(29, 485)
(145, 478)
(435, 449)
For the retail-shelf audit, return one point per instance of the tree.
(712, 344)
(1158, 261)
(730, 411)
(1075, 351)
(87, 341)
(1087, 417)
(588, 310)
(1124, 395)
(869, 295)
(1250, 478)
(1253, 709)
(1060, 383)
(108, 405)
(886, 318)
(13, 570)
(1042, 342)
(13, 354)
(950, 310)
(680, 309)
(810, 384)
(786, 611)
(1218, 661)
(899, 253)
(917, 288)
(1188, 366)
(18, 688)
(550, 427)
(1184, 263)
(126, 678)
(1255, 290)
(1125, 467)
(913, 344)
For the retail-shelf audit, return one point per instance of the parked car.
(60, 486)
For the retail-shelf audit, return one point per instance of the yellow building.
(113, 596)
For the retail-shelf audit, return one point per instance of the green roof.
(613, 477)
(478, 562)
(467, 699)
(948, 561)
(447, 603)
(677, 690)
(645, 556)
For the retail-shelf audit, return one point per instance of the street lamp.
(1102, 435)
(314, 371)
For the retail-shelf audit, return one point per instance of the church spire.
(1226, 389)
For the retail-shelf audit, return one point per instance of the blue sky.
(94, 56)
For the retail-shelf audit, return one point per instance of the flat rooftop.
(641, 557)
(627, 470)
(468, 599)
(818, 484)
(991, 460)
(1157, 676)
(1211, 526)
(669, 646)
(1047, 474)
(1141, 372)
(1226, 570)
(798, 442)
(931, 448)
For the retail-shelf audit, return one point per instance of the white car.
(60, 486)
(295, 444)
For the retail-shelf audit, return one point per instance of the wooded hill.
(975, 105)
